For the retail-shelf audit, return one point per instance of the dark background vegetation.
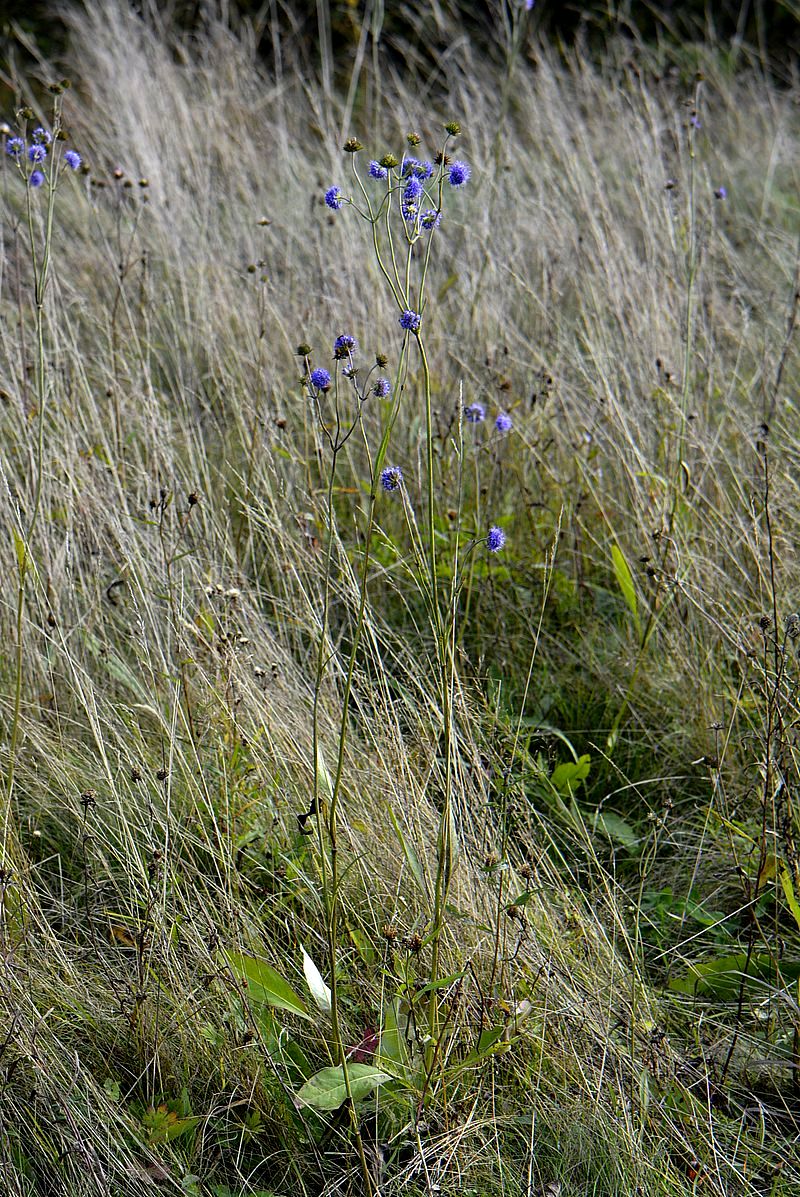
(771, 27)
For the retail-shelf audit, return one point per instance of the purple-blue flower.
(503, 423)
(344, 346)
(377, 171)
(72, 159)
(430, 219)
(459, 174)
(334, 198)
(36, 178)
(496, 539)
(475, 413)
(320, 379)
(410, 321)
(37, 153)
(694, 121)
(41, 136)
(413, 189)
(15, 146)
(391, 477)
(412, 167)
(381, 388)
(721, 193)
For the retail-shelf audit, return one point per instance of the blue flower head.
(72, 159)
(381, 388)
(475, 413)
(459, 174)
(320, 379)
(413, 189)
(721, 193)
(334, 198)
(15, 146)
(410, 321)
(41, 136)
(430, 219)
(344, 346)
(391, 478)
(37, 153)
(503, 423)
(496, 539)
(377, 171)
(413, 168)
(36, 178)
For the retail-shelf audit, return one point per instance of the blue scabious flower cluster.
(495, 539)
(391, 478)
(37, 153)
(430, 219)
(413, 168)
(320, 379)
(475, 413)
(503, 423)
(381, 388)
(334, 198)
(459, 174)
(344, 346)
(410, 321)
(377, 171)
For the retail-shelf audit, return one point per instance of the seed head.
(389, 161)
(352, 145)
(453, 128)
(413, 139)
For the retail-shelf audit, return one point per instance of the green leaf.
(412, 860)
(791, 898)
(625, 582)
(326, 1089)
(266, 985)
(616, 829)
(724, 976)
(566, 777)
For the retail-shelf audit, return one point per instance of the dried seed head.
(352, 145)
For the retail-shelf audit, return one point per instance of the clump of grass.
(314, 780)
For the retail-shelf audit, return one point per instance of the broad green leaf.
(266, 985)
(326, 1089)
(724, 976)
(566, 777)
(616, 829)
(625, 582)
(319, 990)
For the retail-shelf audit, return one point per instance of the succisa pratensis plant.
(403, 216)
(40, 159)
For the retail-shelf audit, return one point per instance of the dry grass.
(169, 651)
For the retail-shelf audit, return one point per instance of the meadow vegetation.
(348, 847)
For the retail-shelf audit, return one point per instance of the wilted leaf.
(319, 990)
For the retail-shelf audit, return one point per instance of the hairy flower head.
(334, 198)
(459, 174)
